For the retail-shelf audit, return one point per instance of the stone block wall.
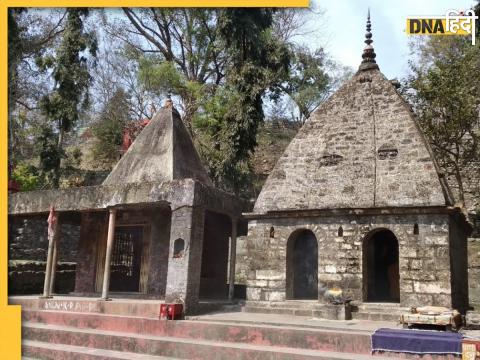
(241, 265)
(26, 277)
(27, 239)
(474, 272)
(424, 259)
(184, 270)
(158, 257)
(27, 253)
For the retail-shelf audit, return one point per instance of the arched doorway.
(381, 279)
(302, 265)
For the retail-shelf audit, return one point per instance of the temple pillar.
(233, 256)
(53, 234)
(108, 253)
(185, 257)
(54, 267)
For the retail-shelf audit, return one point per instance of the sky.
(342, 29)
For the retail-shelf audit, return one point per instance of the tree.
(220, 83)
(222, 66)
(30, 34)
(443, 89)
(118, 67)
(308, 84)
(257, 63)
(109, 129)
(186, 40)
(14, 55)
(69, 94)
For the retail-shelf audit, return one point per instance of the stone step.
(130, 307)
(320, 312)
(379, 312)
(149, 308)
(316, 305)
(376, 316)
(376, 312)
(282, 311)
(249, 333)
(473, 319)
(170, 346)
(42, 350)
(287, 304)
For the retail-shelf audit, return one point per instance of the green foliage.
(246, 62)
(159, 76)
(30, 34)
(62, 107)
(220, 65)
(15, 53)
(27, 176)
(259, 62)
(443, 90)
(243, 31)
(308, 84)
(228, 61)
(50, 155)
(70, 72)
(109, 129)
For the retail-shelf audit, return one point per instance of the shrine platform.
(124, 328)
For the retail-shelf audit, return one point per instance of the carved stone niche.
(387, 151)
(330, 159)
(364, 79)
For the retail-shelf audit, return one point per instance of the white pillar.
(54, 267)
(233, 255)
(108, 255)
(52, 238)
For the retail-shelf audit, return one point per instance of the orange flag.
(52, 221)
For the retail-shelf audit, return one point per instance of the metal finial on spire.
(368, 55)
(169, 102)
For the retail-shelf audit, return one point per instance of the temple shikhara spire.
(368, 55)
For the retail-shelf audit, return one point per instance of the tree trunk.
(56, 174)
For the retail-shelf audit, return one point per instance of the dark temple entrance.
(126, 259)
(302, 266)
(381, 268)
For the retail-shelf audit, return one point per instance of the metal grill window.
(123, 253)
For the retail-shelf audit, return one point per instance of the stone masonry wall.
(474, 272)
(183, 277)
(424, 259)
(27, 277)
(27, 253)
(27, 239)
(241, 261)
(158, 259)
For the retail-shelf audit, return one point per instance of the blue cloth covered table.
(417, 341)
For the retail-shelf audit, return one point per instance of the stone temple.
(356, 203)
(157, 220)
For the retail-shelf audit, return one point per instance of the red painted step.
(98, 334)
(283, 336)
(43, 350)
(174, 347)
